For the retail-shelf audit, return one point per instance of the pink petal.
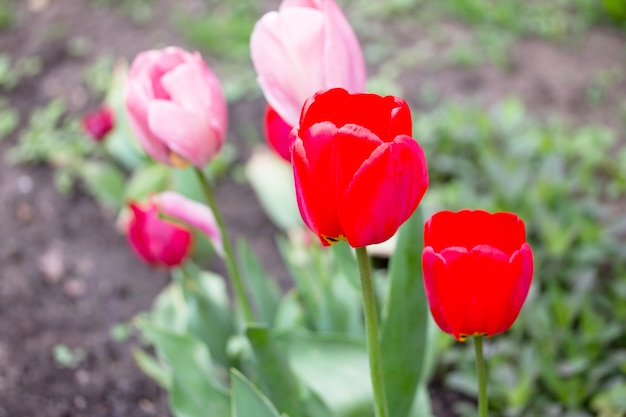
(191, 212)
(186, 133)
(287, 53)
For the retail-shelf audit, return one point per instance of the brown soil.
(67, 276)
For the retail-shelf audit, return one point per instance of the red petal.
(521, 266)
(434, 271)
(386, 117)
(384, 193)
(469, 228)
(277, 134)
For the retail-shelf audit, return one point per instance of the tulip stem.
(231, 264)
(483, 407)
(371, 331)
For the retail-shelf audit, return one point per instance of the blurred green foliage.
(567, 350)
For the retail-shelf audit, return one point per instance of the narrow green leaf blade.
(279, 381)
(405, 327)
(262, 288)
(247, 400)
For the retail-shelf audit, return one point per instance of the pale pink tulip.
(176, 107)
(304, 47)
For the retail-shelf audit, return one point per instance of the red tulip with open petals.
(358, 172)
(477, 271)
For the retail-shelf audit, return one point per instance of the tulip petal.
(488, 275)
(186, 133)
(313, 171)
(287, 53)
(435, 274)
(469, 228)
(344, 65)
(521, 265)
(278, 133)
(192, 213)
(382, 195)
(137, 104)
(387, 117)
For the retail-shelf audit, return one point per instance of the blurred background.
(520, 105)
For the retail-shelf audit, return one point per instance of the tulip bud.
(358, 173)
(176, 107)
(98, 123)
(477, 271)
(168, 243)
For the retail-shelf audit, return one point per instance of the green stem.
(483, 407)
(231, 264)
(371, 330)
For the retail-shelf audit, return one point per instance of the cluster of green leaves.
(306, 351)
(566, 355)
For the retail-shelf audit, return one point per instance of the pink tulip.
(168, 243)
(99, 123)
(304, 47)
(176, 107)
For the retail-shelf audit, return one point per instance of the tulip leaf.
(148, 179)
(336, 368)
(278, 380)
(247, 400)
(169, 309)
(271, 179)
(262, 288)
(209, 315)
(105, 182)
(195, 390)
(151, 367)
(404, 330)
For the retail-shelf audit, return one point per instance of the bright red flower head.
(477, 271)
(358, 172)
(98, 123)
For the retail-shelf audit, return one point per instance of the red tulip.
(358, 172)
(477, 271)
(277, 134)
(165, 243)
(98, 123)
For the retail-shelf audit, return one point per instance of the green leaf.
(195, 390)
(151, 367)
(105, 182)
(336, 368)
(280, 383)
(346, 263)
(262, 288)
(247, 400)
(405, 325)
(209, 314)
(147, 179)
(169, 309)
(120, 143)
(271, 179)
